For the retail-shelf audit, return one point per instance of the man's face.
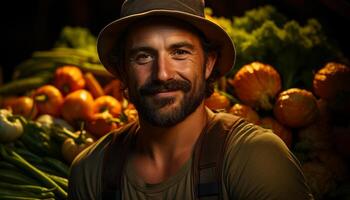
(166, 71)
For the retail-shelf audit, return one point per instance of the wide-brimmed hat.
(190, 11)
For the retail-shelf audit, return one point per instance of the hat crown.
(132, 7)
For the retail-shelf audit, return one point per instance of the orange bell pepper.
(77, 106)
(24, 106)
(68, 79)
(101, 124)
(109, 104)
(48, 100)
(114, 89)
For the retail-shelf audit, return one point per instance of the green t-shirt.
(257, 165)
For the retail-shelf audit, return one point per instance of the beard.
(150, 109)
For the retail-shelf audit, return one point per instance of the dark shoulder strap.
(209, 154)
(113, 162)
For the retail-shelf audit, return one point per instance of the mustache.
(165, 86)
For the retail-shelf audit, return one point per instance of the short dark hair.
(118, 54)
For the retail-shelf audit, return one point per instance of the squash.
(332, 79)
(342, 140)
(256, 85)
(316, 136)
(319, 178)
(296, 108)
(284, 133)
(246, 112)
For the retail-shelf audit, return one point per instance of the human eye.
(180, 54)
(142, 58)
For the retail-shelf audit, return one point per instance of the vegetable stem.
(14, 158)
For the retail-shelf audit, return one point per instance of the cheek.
(193, 72)
(139, 75)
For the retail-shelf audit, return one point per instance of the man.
(167, 55)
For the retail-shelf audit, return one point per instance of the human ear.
(209, 65)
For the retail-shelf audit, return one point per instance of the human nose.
(164, 70)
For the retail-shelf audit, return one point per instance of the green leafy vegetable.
(295, 50)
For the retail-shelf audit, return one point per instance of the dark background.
(27, 26)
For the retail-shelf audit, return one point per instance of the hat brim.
(111, 33)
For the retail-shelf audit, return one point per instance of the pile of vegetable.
(59, 102)
(295, 50)
(294, 80)
(288, 77)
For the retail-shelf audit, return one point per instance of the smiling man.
(168, 69)
(167, 56)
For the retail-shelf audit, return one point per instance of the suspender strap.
(113, 163)
(207, 162)
(209, 155)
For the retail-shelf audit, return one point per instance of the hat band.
(132, 7)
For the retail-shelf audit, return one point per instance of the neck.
(165, 144)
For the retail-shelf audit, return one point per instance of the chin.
(170, 114)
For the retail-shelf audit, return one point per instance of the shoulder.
(257, 164)
(94, 153)
(85, 171)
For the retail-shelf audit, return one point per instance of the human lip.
(165, 93)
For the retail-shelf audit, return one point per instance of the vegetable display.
(59, 103)
(288, 77)
(266, 35)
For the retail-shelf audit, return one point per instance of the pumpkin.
(317, 136)
(332, 79)
(334, 162)
(325, 115)
(342, 140)
(296, 108)
(319, 178)
(217, 101)
(246, 112)
(284, 133)
(256, 85)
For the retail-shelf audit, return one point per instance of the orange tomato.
(281, 131)
(48, 100)
(217, 101)
(101, 124)
(24, 106)
(108, 103)
(246, 112)
(68, 79)
(77, 106)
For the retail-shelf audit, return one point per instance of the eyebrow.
(133, 51)
(181, 45)
(177, 45)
